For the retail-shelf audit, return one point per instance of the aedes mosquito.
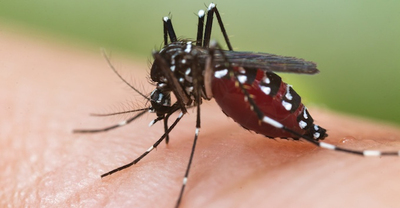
(242, 83)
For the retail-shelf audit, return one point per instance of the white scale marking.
(122, 123)
(201, 13)
(272, 122)
(151, 148)
(172, 68)
(286, 105)
(184, 180)
(197, 131)
(166, 19)
(371, 153)
(187, 72)
(188, 47)
(327, 146)
(152, 123)
(316, 135)
(302, 124)
(288, 95)
(189, 89)
(305, 113)
(266, 90)
(221, 73)
(242, 78)
(211, 6)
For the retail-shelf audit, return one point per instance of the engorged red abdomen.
(232, 102)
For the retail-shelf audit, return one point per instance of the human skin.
(47, 90)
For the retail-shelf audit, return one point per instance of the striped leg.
(148, 150)
(212, 9)
(197, 92)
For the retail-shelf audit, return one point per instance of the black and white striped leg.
(276, 124)
(148, 150)
(122, 123)
(197, 92)
(168, 31)
(207, 34)
(174, 108)
(185, 178)
(212, 9)
(200, 28)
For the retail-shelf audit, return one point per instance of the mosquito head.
(160, 100)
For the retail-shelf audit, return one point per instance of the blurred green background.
(355, 43)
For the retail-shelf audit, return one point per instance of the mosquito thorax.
(178, 57)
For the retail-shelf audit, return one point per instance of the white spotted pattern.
(286, 105)
(316, 135)
(221, 73)
(242, 78)
(188, 47)
(266, 90)
(302, 124)
(288, 95)
(305, 113)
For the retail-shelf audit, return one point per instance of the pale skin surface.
(49, 90)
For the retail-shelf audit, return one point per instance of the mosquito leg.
(174, 109)
(148, 150)
(197, 92)
(123, 123)
(168, 30)
(200, 28)
(210, 12)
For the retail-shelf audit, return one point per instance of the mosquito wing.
(267, 62)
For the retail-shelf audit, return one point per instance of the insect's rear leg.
(212, 9)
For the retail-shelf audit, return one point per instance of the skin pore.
(47, 90)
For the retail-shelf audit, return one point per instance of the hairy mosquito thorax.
(179, 57)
